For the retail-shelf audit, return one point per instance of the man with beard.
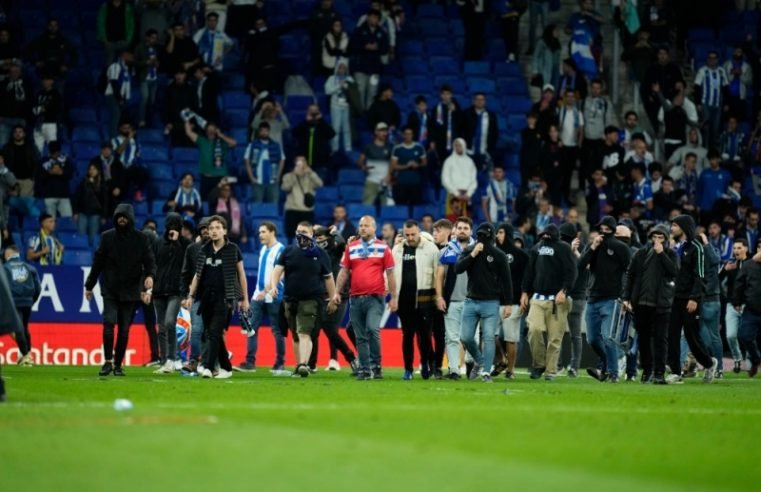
(188, 272)
(649, 294)
(308, 283)
(607, 259)
(334, 245)
(507, 351)
(688, 295)
(451, 291)
(489, 287)
(124, 257)
(219, 283)
(170, 253)
(549, 276)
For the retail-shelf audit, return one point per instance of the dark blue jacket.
(24, 282)
(368, 61)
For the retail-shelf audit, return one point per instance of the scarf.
(152, 71)
(453, 250)
(735, 85)
(17, 86)
(54, 161)
(130, 150)
(482, 121)
(440, 110)
(55, 255)
(232, 211)
(576, 116)
(423, 130)
(105, 167)
(219, 155)
(124, 80)
(206, 46)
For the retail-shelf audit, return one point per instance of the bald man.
(369, 264)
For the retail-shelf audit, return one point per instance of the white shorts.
(511, 327)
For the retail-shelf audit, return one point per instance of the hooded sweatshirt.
(607, 266)
(169, 258)
(459, 172)
(337, 86)
(23, 280)
(712, 284)
(489, 277)
(551, 266)
(124, 257)
(579, 291)
(690, 282)
(677, 158)
(516, 257)
(649, 280)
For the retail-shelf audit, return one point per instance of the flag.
(581, 53)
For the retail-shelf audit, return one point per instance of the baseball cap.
(381, 126)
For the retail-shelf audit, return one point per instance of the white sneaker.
(710, 373)
(200, 368)
(333, 365)
(178, 365)
(26, 361)
(222, 374)
(206, 374)
(463, 371)
(281, 372)
(167, 368)
(674, 379)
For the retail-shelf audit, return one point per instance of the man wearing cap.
(549, 276)
(126, 261)
(648, 292)
(375, 161)
(607, 259)
(489, 287)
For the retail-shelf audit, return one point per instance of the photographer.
(490, 286)
(300, 184)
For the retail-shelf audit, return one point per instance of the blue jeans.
(487, 312)
(599, 321)
(712, 126)
(732, 324)
(272, 309)
(89, 225)
(265, 193)
(710, 332)
(749, 328)
(147, 96)
(536, 9)
(365, 313)
(196, 332)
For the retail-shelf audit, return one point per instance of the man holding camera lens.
(490, 286)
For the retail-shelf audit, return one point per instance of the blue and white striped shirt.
(712, 81)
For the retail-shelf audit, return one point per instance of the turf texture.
(59, 431)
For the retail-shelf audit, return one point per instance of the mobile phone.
(232, 179)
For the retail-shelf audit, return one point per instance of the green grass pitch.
(59, 431)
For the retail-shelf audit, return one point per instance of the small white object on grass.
(122, 405)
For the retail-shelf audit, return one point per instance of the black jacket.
(323, 133)
(690, 282)
(208, 106)
(607, 266)
(384, 112)
(21, 160)
(748, 287)
(54, 185)
(124, 258)
(551, 266)
(712, 283)
(649, 280)
(729, 276)
(169, 259)
(470, 120)
(517, 258)
(48, 106)
(413, 120)
(488, 274)
(90, 198)
(189, 267)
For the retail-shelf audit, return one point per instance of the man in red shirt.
(370, 264)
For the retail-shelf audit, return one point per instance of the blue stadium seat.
(236, 100)
(508, 70)
(516, 122)
(420, 210)
(185, 154)
(476, 68)
(514, 176)
(419, 84)
(355, 211)
(327, 194)
(151, 136)
(141, 208)
(517, 105)
(160, 170)
(153, 152)
(298, 104)
(433, 27)
(481, 84)
(414, 66)
(444, 65)
(351, 176)
(250, 261)
(183, 167)
(426, 10)
(264, 210)
(323, 212)
(83, 116)
(161, 189)
(87, 134)
(395, 213)
(77, 257)
(73, 240)
(237, 117)
(233, 80)
(351, 193)
(86, 150)
(456, 83)
(440, 47)
(411, 48)
(66, 224)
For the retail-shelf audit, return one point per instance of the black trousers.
(415, 322)
(690, 323)
(330, 325)
(216, 319)
(568, 158)
(439, 340)
(116, 314)
(475, 28)
(24, 340)
(509, 27)
(653, 329)
(149, 318)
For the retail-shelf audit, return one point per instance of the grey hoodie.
(676, 161)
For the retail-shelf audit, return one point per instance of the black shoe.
(738, 367)
(118, 371)
(572, 373)
(364, 376)
(2, 391)
(646, 378)
(425, 372)
(537, 372)
(630, 378)
(499, 368)
(106, 369)
(454, 376)
(354, 367)
(659, 380)
(719, 374)
(302, 370)
(437, 374)
(613, 379)
(599, 375)
(469, 368)
(377, 373)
